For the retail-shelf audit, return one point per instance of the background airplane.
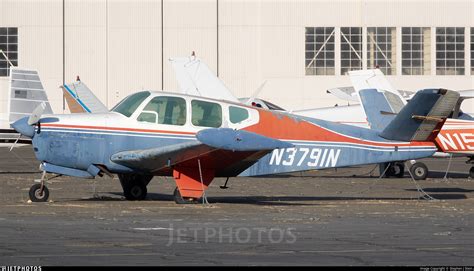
(26, 92)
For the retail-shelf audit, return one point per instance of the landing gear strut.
(134, 185)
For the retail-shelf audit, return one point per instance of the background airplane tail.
(381, 107)
(80, 99)
(25, 94)
(421, 119)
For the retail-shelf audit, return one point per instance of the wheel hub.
(136, 191)
(419, 172)
(39, 193)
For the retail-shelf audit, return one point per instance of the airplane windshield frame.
(129, 105)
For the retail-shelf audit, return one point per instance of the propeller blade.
(36, 115)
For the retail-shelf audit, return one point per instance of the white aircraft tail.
(373, 79)
(25, 94)
(195, 78)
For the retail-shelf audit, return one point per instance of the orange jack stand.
(188, 181)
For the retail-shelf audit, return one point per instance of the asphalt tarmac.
(343, 217)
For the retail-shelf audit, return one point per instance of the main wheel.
(136, 191)
(419, 171)
(398, 170)
(181, 200)
(38, 195)
(134, 185)
(471, 172)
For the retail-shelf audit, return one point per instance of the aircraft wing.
(226, 150)
(80, 99)
(195, 78)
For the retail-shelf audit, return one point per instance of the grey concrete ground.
(342, 217)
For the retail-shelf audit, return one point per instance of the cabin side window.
(238, 114)
(164, 110)
(206, 114)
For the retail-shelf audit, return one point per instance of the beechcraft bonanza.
(195, 139)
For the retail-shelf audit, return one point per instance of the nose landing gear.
(39, 192)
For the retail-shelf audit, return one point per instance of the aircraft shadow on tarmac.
(445, 190)
(283, 200)
(431, 174)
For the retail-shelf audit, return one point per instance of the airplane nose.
(22, 127)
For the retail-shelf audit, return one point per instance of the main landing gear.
(419, 171)
(134, 185)
(395, 169)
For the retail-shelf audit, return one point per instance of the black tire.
(395, 170)
(419, 171)
(36, 195)
(399, 170)
(180, 200)
(134, 185)
(471, 172)
(136, 191)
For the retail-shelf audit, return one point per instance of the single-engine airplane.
(195, 139)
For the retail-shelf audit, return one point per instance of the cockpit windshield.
(128, 105)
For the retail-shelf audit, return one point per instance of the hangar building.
(300, 47)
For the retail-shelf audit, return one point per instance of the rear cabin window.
(164, 110)
(238, 114)
(128, 105)
(206, 114)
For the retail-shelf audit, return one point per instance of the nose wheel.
(39, 193)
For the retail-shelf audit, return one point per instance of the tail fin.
(380, 107)
(422, 118)
(80, 99)
(195, 78)
(25, 94)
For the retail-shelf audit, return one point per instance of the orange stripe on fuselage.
(115, 129)
(281, 126)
